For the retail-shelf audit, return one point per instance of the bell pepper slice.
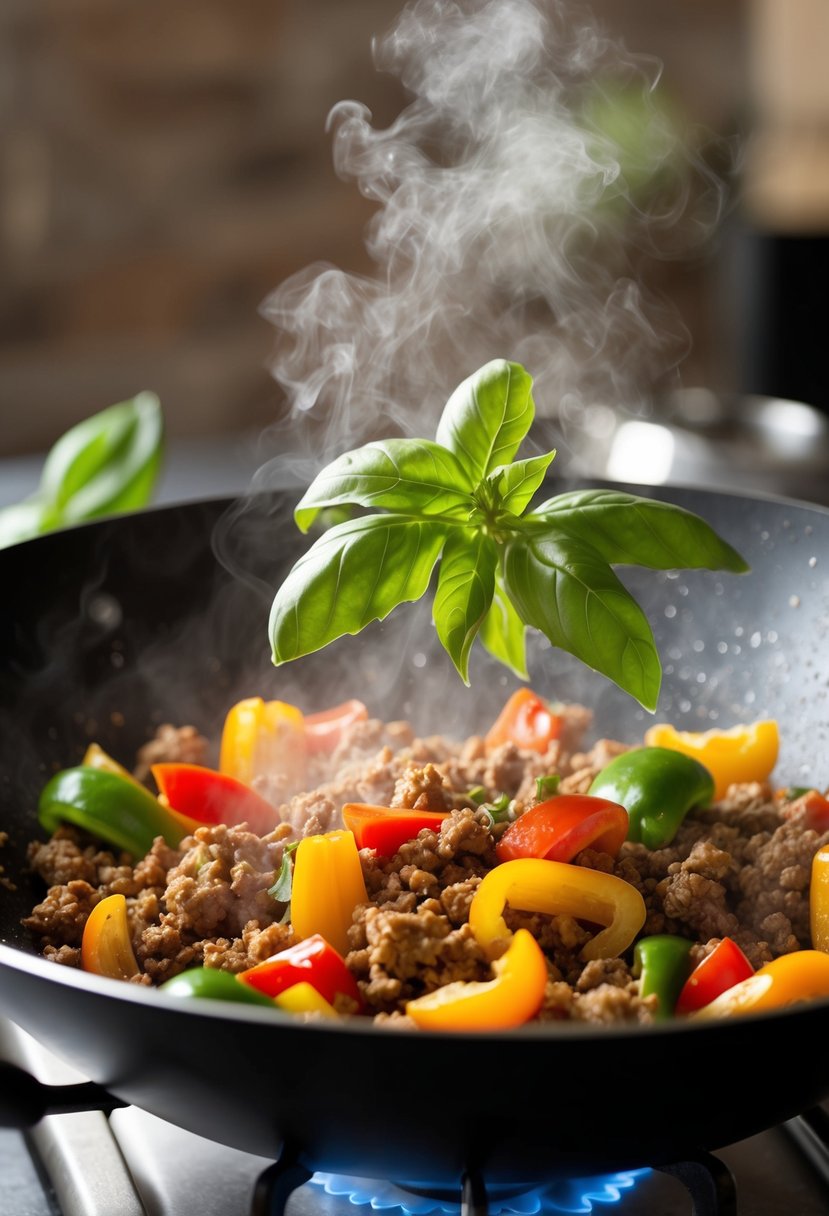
(724, 967)
(209, 797)
(386, 828)
(113, 808)
(526, 720)
(312, 962)
(304, 998)
(657, 786)
(259, 736)
(661, 963)
(819, 900)
(802, 975)
(741, 753)
(562, 826)
(106, 947)
(96, 757)
(817, 811)
(512, 998)
(323, 730)
(215, 985)
(327, 886)
(557, 888)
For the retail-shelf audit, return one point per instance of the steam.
(519, 195)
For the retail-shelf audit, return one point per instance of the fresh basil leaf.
(629, 530)
(357, 572)
(517, 482)
(464, 593)
(22, 521)
(568, 591)
(282, 887)
(105, 464)
(410, 475)
(503, 633)
(487, 416)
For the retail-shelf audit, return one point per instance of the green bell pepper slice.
(214, 984)
(662, 964)
(113, 808)
(657, 786)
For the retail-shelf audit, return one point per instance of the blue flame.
(569, 1195)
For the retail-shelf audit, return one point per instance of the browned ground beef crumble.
(739, 869)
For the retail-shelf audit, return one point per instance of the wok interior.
(116, 627)
(113, 628)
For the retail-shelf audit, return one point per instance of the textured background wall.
(165, 166)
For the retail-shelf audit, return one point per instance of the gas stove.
(131, 1163)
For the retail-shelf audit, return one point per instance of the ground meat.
(171, 744)
(740, 868)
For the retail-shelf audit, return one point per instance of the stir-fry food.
(333, 865)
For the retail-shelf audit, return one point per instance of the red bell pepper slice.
(324, 730)
(385, 828)
(724, 967)
(527, 721)
(558, 829)
(312, 961)
(207, 796)
(817, 811)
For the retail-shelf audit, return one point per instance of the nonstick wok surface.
(112, 628)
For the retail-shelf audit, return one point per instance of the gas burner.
(707, 1179)
(571, 1195)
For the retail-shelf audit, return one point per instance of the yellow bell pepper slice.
(819, 900)
(802, 975)
(262, 735)
(558, 888)
(106, 948)
(512, 998)
(304, 998)
(741, 753)
(96, 757)
(327, 886)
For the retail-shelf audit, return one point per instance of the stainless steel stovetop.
(133, 1164)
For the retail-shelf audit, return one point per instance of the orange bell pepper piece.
(386, 828)
(106, 948)
(742, 753)
(327, 886)
(512, 998)
(557, 888)
(526, 720)
(802, 975)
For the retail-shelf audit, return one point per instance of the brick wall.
(164, 166)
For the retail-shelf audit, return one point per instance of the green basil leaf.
(487, 416)
(464, 593)
(105, 464)
(503, 633)
(628, 530)
(22, 521)
(411, 475)
(568, 591)
(518, 482)
(357, 572)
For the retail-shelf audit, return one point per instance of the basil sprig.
(464, 500)
(106, 464)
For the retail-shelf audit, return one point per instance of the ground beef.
(739, 869)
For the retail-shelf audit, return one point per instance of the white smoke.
(519, 195)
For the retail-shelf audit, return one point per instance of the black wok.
(138, 617)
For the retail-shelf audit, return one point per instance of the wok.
(111, 628)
